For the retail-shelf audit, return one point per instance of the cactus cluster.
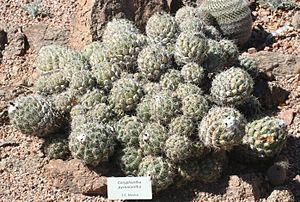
(142, 101)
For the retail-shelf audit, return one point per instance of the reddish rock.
(279, 64)
(16, 43)
(39, 35)
(287, 115)
(296, 20)
(93, 15)
(75, 177)
(248, 187)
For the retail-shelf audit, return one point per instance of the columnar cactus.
(233, 17)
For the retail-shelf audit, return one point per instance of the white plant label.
(129, 188)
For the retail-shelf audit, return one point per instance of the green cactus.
(182, 125)
(162, 28)
(233, 18)
(171, 79)
(195, 106)
(92, 97)
(81, 82)
(125, 95)
(209, 169)
(153, 139)
(187, 89)
(163, 106)
(89, 49)
(56, 147)
(178, 148)
(160, 171)
(129, 160)
(153, 60)
(222, 128)
(232, 87)
(190, 47)
(51, 83)
(117, 26)
(264, 139)
(128, 130)
(92, 143)
(34, 115)
(192, 73)
(123, 49)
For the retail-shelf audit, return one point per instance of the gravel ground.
(21, 175)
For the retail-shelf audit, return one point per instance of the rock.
(279, 64)
(296, 20)
(174, 5)
(3, 39)
(270, 95)
(248, 187)
(41, 34)
(75, 177)
(287, 115)
(281, 194)
(277, 173)
(92, 16)
(16, 43)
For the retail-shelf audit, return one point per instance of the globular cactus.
(56, 147)
(186, 89)
(128, 130)
(171, 79)
(100, 112)
(222, 128)
(34, 115)
(182, 125)
(162, 28)
(91, 48)
(99, 55)
(212, 166)
(281, 194)
(129, 160)
(195, 106)
(192, 73)
(93, 97)
(78, 115)
(143, 109)
(49, 57)
(251, 109)
(153, 139)
(233, 18)
(178, 148)
(207, 169)
(51, 83)
(64, 101)
(190, 47)
(232, 87)
(264, 138)
(221, 54)
(160, 171)
(163, 106)
(117, 26)
(92, 143)
(153, 60)
(151, 87)
(125, 95)
(249, 64)
(53, 57)
(106, 73)
(123, 49)
(81, 82)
